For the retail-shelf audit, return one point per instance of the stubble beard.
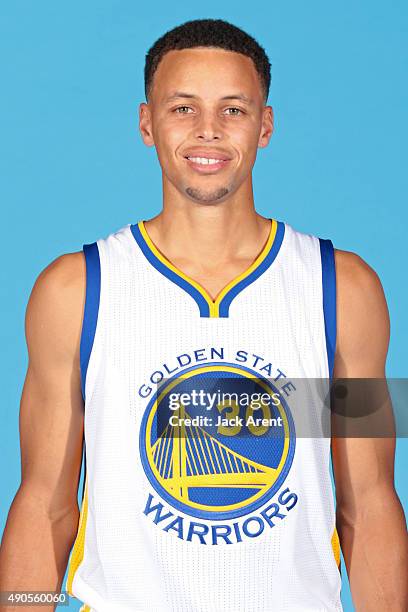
(207, 197)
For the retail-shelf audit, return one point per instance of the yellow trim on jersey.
(85, 608)
(77, 554)
(335, 542)
(212, 304)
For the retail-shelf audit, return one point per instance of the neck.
(208, 235)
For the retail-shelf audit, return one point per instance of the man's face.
(206, 117)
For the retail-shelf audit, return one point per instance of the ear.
(145, 124)
(267, 127)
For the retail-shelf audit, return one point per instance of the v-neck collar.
(207, 306)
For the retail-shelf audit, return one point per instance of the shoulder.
(357, 282)
(354, 270)
(55, 306)
(62, 278)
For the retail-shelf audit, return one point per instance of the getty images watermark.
(255, 406)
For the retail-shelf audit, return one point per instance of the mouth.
(207, 164)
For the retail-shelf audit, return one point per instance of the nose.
(208, 127)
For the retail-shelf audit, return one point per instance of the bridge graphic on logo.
(188, 456)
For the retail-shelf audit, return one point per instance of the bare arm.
(43, 517)
(370, 518)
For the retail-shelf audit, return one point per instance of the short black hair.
(208, 33)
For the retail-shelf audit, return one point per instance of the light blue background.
(74, 168)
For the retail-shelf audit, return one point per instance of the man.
(207, 516)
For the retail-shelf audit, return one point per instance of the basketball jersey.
(213, 505)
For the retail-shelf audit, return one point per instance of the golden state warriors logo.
(222, 461)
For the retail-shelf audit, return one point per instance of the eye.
(183, 110)
(235, 111)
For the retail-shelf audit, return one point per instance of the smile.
(206, 165)
(205, 161)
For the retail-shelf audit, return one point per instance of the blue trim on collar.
(175, 278)
(233, 292)
(204, 307)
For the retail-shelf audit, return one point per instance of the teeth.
(204, 160)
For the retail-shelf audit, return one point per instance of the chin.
(206, 196)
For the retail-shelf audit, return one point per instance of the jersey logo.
(221, 462)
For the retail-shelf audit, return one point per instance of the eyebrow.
(237, 96)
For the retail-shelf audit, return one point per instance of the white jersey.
(193, 501)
